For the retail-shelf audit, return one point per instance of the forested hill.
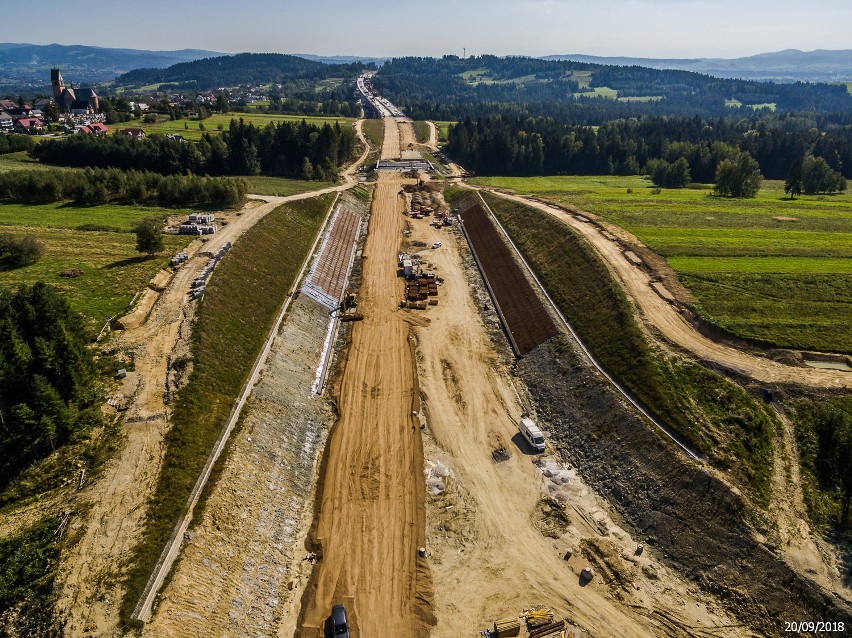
(243, 68)
(786, 66)
(452, 88)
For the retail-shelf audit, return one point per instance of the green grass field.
(443, 131)
(191, 130)
(22, 162)
(602, 91)
(64, 215)
(769, 269)
(281, 187)
(373, 130)
(421, 131)
(112, 269)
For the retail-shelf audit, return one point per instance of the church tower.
(58, 84)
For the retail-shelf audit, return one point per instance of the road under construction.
(423, 511)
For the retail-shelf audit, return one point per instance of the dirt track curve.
(371, 512)
(665, 318)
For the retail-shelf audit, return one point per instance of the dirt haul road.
(665, 318)
(371, 516)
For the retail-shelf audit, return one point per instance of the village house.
(95, 128)
(28, 125)
(134, 132)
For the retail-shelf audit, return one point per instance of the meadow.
(112, 269)
(770, 269)
(443, 131)
(281, 186)
(421, 131)
(373, 131)
(193, 129)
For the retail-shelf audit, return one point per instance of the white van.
(532, 434)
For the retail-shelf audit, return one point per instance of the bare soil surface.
(692, 519)
(667, 320)
(371, 518)
(241, 566)
(498, 533)
(407, 136)
(432, 142)
(801, 549)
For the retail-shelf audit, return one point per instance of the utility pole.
(464, 52)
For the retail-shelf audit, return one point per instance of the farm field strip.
(699, 265)
(526, 319)
(192, 129)
(732, 242)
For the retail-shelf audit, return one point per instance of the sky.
(641, 28)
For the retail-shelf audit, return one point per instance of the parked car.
(339, 624)
(437, 244)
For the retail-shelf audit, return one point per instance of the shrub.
(20, 251)
(738, 177)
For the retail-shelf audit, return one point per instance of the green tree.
(149, 236)
(223, 104)
(833, 464)
(793, 185)
(819, 177)
(48, 379)
(738, 177)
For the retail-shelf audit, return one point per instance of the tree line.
(48, 379)
(281, 149)
(824, 435)
(673, 150)
(15, 142)
(91, 187)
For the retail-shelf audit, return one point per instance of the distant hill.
(29, 64)
(243, 68)
(342, 59)
(453, 88)
(780, 66)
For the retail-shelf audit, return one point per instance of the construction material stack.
(540, 623)
(418, 290)
(507, 627)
